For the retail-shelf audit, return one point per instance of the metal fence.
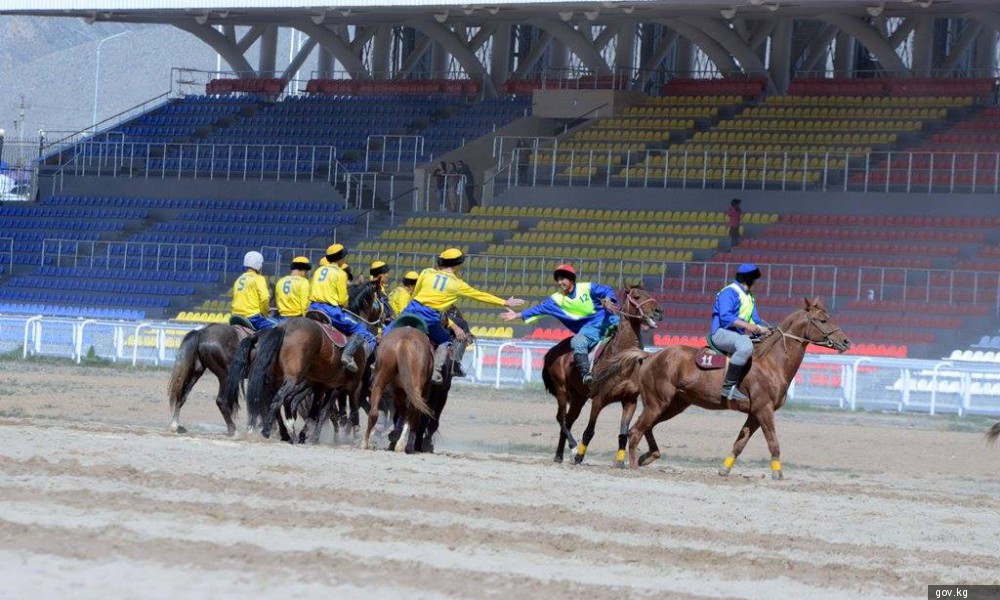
(393, 153)
(138, 256)
(846, 382)
(18, 168)
(813, 169)
(241, 162)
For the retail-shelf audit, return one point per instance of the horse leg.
(675, 408)
(749, 427)
(177, 400)
(326, 407)
(766, 418)
(564, 432)
(287, 387)
(377, 388)
(223, 404)
(588, 433)
(628, 411)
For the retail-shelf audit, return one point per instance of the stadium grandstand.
(863, 138)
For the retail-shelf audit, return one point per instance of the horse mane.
(764, 347)
(359, 296)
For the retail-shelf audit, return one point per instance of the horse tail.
(268, 348)
(625, 366)
(187, 354)
(238, 370)
(408, 381)
(993, 434)
(550, 386)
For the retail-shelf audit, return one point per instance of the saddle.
(411, 321)
(594, 355)
(710, 358)
(244, 328)
(336, 337)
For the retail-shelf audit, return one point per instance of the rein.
(825, 343)
(632, 302)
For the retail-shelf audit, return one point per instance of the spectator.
(439, 178)
(523, 161)
(470, 183)
(735, 214)
(451, 183)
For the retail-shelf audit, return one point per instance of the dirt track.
(97, 500)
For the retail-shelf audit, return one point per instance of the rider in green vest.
(582, 307)
(734, 318)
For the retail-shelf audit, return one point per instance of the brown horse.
(563, 381)
(210, 348)
(307, 363)
(993, 434)
(670, 381)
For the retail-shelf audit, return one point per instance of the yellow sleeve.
(342, 288)
(263, 295)
(467, 291)
(303, 295)
(420, 281)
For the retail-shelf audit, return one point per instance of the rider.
(291, 292)
(328, 295)
(400, 296)
(734, 318)
(437, 290)
(251, 298)
(582, 307)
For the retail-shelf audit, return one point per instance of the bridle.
(826, 342)
(633, 303)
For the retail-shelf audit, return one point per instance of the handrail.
(392, 203)
(137, 109)
(134, 255)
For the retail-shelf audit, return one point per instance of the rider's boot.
(582, 362)
(456, 369)
(440, 357)
(731, 385)
(347, 356)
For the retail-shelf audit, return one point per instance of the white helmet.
(254, 260)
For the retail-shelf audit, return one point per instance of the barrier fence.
(139, 256)
(855, 169)
(844, 382)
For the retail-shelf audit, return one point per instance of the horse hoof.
(409, 450)
(179, 429)
(558, 459)
(777, 475)
(648, 458)
(723, 472)
(621, 464)
(578, 459)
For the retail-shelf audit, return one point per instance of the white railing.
(138, 256)
(393, 153)
(846, 382)
(241, 162)
(444, 192)
(810, 169)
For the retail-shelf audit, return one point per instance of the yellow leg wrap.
(581, 449)
(620, 456)
(729, 462)
(775, 465)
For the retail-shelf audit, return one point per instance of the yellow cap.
(411, 276)
(335, 248)
(450, 254)
(378, 268)
(301, 262)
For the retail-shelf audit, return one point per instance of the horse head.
(363, 301)
(639, 304)
(813, 324)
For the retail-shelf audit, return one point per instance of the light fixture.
(592, 14)
(468, 10)
(772, 7)
(224, 14)
(925, 3)
(757, 2)
(89, 19)
(728, 13)
(493, 10)
(441, 17)
(318, 18)
(628, 9)
(345, 13)
(875, 11)
(201, 19)
(566, 16)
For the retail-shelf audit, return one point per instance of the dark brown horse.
(563, 381)
(300, 356)
(670, 381)
(210, 348)
(993, 434)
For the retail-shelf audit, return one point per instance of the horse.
(306, 361)
(209, 348)
(405, 361)
(993, 434)
(563, 381)
(670, 381)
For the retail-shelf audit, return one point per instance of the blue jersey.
(727, 309)
(575, 310)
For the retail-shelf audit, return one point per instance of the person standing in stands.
(291, 292)
(735, 215)
(328, 294)
(251, 298)
(439, 176)
(470, 183)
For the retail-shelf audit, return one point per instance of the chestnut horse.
(563, 381)
(301, 356)
(670, 381)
